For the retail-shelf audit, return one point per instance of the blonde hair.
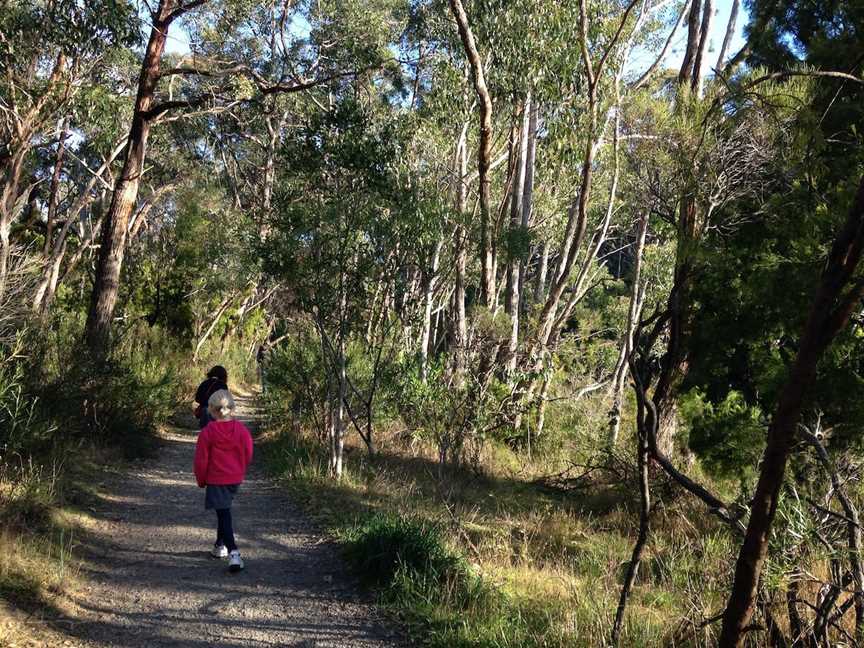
(221, 404)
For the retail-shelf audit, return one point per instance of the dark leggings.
(224, 529)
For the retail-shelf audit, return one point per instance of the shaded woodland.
(585, 257)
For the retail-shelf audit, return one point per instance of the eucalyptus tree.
(339, 213)
(212, 85)
(47, 49)
(125, 193)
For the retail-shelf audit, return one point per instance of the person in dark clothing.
(217, 378)
(260, 358)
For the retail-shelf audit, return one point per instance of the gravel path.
(149, 580)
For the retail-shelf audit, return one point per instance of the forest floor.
(145, 578)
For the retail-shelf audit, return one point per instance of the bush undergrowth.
(493, 559)
(63, 420)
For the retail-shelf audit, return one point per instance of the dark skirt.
(219, 497)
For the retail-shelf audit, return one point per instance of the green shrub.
(727, 435)
(384, 545)
(435, 588)
(20, 423)
(54, 396)
(292, 456)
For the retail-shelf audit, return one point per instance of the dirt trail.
(150, 582)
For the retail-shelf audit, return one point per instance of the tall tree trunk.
(461, 254)
(338, 447)
(705, 34)
(685, 74)
(528, 196)
(107, 283)
(54, 192)
(430, 282)
(730, 32)
(514, 263)
(487, 256)
(674, 363)
(830, 311)
(531, 159)
(646, 416)
(633, 313)
(338, 441)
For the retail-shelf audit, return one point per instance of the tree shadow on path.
(149, 581)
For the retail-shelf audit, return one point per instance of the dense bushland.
(507, 552)
(573, 316)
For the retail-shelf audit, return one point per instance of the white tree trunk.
(516, 217)
(540, 282)
(637, 297)
(461, 254)
(428, 299)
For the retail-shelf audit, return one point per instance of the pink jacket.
(223, 452)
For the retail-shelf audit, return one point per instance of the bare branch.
(182, 9)
(647, 74)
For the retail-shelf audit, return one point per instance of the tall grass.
(496, 560)
(60, 417)
(436, 588)
(35, 545)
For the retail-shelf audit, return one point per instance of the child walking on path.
(222, 454)
(217, 378)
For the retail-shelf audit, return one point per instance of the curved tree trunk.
(107, 283)
(829, 313)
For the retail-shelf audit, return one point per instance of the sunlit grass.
(556, 559)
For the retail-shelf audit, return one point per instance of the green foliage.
(66, 399)
(20, 426)
(436, 589)
(74, 28)
(457, 416)
(384, 548)
(296, 381)
(728, 436)
(517, 241)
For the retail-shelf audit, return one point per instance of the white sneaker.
(235, 562)
(219, 551)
